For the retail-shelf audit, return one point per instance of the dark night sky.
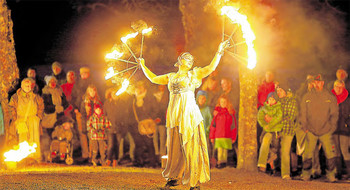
(38, 26)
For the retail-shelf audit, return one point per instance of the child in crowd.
(62, 137)
(202, 100)
(269, 118)
(96, 127)
(221, 130)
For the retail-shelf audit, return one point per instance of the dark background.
(39, 25)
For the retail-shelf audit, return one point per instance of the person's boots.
(115, 163)
(338, 165)
(347, 164)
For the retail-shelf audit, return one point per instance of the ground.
(60, 176)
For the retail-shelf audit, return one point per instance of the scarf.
(341, 97)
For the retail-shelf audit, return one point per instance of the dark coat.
(343, 127)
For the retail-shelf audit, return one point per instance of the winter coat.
(343, 125)
(274, 111)
(61, 77)
(14, 104)
(62, 134)
(78, 91)
(50, 107)
(96, 126)
(319, 112)
(221, 125)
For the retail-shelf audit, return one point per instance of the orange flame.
(20, 152)
(125, 38)
(247, 31)
(147, 30)
(114, 55)
(125, 85)
(110, 73)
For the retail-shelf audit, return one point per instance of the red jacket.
(264, 89)
(221, 125)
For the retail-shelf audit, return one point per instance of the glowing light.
(247, 31)
(110, 73)
(125, 38)
(125, 85)
(114, 55)
(18, 154)
(147, 30)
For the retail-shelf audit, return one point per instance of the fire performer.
(187, 146)
(27, 109)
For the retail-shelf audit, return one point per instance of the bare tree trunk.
(247, 141)
(8, 63)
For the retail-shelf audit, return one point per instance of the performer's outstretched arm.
(205, 71)
(161, 79)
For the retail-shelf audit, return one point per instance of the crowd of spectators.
(66, 117)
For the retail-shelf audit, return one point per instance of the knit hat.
(56, 64)
(84, 70)
(48, 78)
(271, 94)
(202, 93)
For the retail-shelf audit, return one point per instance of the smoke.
(296, 38)
(293, 38)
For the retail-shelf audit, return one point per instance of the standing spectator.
(144, 110)
(113, 135)
(67, 90)
(87, 107)
(27, 110)
(341, 135)
(207, 116)
(300, 134)
(269, 118)
(159, 138)
(319, 115)
(226, 86)
(96, 127)
(341, 75)
(266, 87)
(81, 86)
(289, 113)
(39, 84)
(58, 73)
(55, 102)
(221, 131)
(211, 86)
(78, 92)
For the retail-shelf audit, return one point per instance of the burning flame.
(247, 31)
(23, 151)
(114, 55)
(125, 38)
(147, 30)
(110, 73)
(125, 85)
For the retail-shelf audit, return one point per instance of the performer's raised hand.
(223, 45)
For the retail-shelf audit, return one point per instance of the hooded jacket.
(319, 112)
(221, 125)
(274, 111)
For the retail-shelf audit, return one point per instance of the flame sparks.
(125, 85)
(125, 38)
(114, 55)
(23, 151)
(247, 31)
(147, 30)
(110, 73)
